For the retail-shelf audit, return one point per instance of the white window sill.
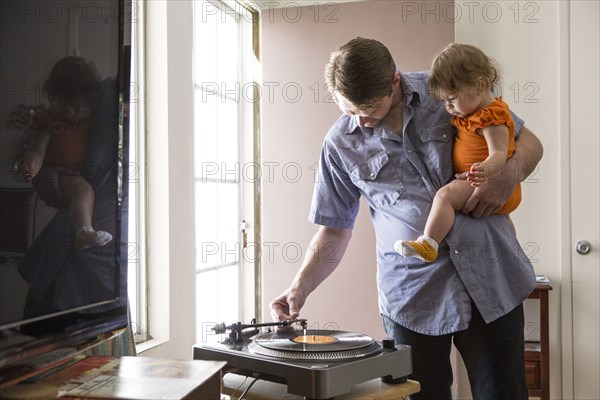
(148, 344)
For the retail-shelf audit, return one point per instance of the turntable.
(316, 364)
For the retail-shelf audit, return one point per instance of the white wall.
(524, 39)
(296, 43)
(171, 247)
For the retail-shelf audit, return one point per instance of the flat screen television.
(62, 289)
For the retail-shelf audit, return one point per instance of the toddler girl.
(463, 76)
(57, 147)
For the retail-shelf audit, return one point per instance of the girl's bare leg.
(80, 197)
(447, 201)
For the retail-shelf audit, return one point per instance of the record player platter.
(313, 345)
(316, 364)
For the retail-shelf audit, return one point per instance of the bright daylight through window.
(223, 144)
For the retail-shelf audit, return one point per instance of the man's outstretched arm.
(325, 253)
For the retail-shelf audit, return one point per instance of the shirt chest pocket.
(378, 180)
(436, 149)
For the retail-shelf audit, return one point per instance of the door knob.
(583, 247)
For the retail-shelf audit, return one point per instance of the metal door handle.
(583, 247)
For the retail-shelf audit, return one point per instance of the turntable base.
(264, 390)
(314, 363)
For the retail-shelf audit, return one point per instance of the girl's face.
(468, 99)
(465, 102)
(74, 112)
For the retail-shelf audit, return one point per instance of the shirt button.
(444, 136)
(409, 151)
(372, 174)
(456, 252)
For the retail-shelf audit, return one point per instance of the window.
(224, 157)
(136, 279)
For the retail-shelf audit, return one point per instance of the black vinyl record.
(313, 340)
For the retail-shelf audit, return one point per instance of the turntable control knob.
(388, 344)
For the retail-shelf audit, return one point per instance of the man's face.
(365, 118)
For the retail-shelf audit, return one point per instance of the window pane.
(205, 133)
(206, 298)
(227, 137)
(228, 301)
(217, 229)
(205, 42)
(216, 137)
(215, 301)
(227, 55)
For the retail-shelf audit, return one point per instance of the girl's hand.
(489, 197)
(32, 162)
(34, 150)
(476, 175)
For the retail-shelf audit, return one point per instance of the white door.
(585, 173)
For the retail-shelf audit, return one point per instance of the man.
(393, 145)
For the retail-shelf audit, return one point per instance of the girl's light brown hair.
(73, 79)
(459, 66)
(362, 71)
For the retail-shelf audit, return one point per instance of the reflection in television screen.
(63, 203)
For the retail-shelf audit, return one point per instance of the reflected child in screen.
(464, 77)
(56, 149)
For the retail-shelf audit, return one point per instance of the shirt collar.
(410, 92)
(353, 125)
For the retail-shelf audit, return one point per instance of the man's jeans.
(494, 356)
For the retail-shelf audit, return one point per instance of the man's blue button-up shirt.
(398, 176)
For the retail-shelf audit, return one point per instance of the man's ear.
(396, 79)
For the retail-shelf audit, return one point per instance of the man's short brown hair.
(362, 71)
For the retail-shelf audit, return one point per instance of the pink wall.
(296, 114)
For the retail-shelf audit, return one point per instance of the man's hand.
(497, 189)
(286, 306)
(490, 195)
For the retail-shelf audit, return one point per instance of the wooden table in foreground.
(141, 378)
(234, 386)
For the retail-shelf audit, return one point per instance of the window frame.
(165, 47)
(136, 247)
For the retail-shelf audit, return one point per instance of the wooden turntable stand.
(234, 385)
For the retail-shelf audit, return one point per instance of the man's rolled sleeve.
(518, 123)
(335, 200)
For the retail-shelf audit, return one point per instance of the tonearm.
(238, 332)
